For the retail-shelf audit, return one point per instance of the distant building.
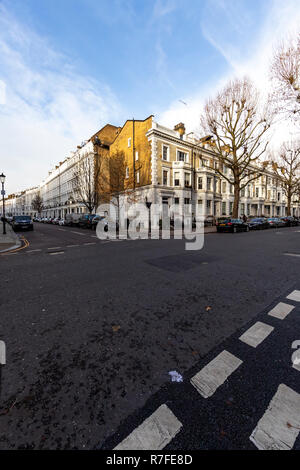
(163, 166)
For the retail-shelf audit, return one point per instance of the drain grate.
(179, 263)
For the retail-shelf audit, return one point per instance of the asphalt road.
(92, 329)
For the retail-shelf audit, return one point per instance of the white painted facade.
(56, 190)
(189, 179)
(201, 186)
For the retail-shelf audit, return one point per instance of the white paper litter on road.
(175, 376)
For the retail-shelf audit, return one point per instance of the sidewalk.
(212, 229)
(9, 241)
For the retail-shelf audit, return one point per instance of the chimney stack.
(180, 128)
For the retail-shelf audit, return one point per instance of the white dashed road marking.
(154, 433)
(215, 373)
(78, 233)
(296, 366)
(295, 295)
(256, 334)
(279, 427)
(88, 244)
(71, 246)
(2, 353)
(281, 310)
(55, 248)
(33, 251)
(57, 253)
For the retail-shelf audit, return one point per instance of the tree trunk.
(235, 209)
(289, 200)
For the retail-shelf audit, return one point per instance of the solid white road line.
(281, 310)
(279, 427)
(2, 353)
(256, 334)
(215, 373)
(154, 433)
(295, 295)
(292, 254)
(9, 254)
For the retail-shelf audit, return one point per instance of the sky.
(68, 67)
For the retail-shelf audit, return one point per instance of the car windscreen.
(23, 217)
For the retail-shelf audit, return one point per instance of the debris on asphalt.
(116, 328)
(175, 376)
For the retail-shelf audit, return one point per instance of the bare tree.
(237, 124)
(285, 72)
(287, 169)
(85, 180)
(37, 203)
(117, 182)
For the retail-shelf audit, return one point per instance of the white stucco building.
(180, 170)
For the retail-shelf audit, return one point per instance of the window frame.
(164, 146)
(167, 170)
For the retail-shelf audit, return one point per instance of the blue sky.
(70, 66)
(147, 51)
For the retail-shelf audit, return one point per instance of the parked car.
(85, 220)
(56, 220)
(97, 219)
(22, 222)
(275, 222)
(209, 221)
(259, 223)
(227, 224)
(290, 221)
(72, 219)
(61, 222)
(102, 220)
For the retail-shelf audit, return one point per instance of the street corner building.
(167, 167)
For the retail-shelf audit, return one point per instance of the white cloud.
(49, 108)
(251, 59)
(2, 92)
(163, 7)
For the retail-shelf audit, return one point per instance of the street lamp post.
(149, 204)
(2, 181)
